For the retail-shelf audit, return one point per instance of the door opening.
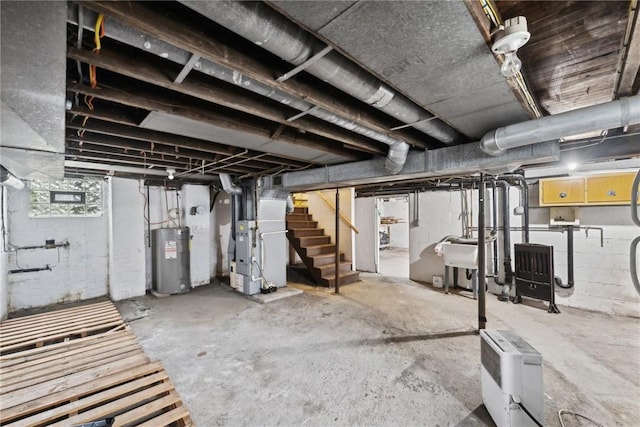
(393, 235)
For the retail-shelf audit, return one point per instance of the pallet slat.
(85, 378)
(94, 399)
(57, 313)
(50, 353)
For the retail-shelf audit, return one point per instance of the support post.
(337, 272)
(482, 319)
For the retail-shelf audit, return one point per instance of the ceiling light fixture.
(514, 36)
(171, 173)
(572, 166)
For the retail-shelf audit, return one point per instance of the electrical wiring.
(593, 144)
(144, 209)
(99, 32)
(575, 414)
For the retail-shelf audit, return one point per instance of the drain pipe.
(269, 29)
(234, 192)
(290, 204)
(558, 279)
(519, 180)
(615, 114)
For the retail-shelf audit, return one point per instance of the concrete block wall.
(438, 217)
(4, 258)
(78, 272)
(200, 231)
(126, 239)
(602, 274)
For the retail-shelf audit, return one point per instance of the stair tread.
(330, 254)
(320, 246)
(343, 274)
(333, 265)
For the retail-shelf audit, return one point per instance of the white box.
(437, 281)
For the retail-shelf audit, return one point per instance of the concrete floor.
(394, 262)
(384, 352)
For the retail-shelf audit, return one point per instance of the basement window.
(66, 198)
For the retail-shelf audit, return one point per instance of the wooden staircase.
(316, 250)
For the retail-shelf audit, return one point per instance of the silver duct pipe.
(115, 30)
(263, 26)
(290, 205)
(228, 186)
(7, 179)
(615, 114)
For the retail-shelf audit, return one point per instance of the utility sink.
(460, 255)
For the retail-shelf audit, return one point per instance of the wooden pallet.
(35, 331)
(86, 379)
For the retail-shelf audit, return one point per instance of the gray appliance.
(170, 260)
(248, 278)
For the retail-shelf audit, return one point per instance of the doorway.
(393, 235)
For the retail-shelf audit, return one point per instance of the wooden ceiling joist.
(143, 139)
(154, 72)
(136, 97)
(184, 36)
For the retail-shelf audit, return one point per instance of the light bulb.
(171, 172)
(511, 64)
(572, 166)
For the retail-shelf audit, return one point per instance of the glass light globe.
(511, 64)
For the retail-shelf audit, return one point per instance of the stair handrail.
(342, 217)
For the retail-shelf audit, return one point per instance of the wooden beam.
(484, 26)
(137, 16)
(186, 162)
(128, 161)
(630, 55)
(153, 71)
(135, 97)
(129, 136)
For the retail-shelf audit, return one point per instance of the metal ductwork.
(265, 27)
(228, 186)
(290, 204)
(10, 181)
(117, 31)
(615, 114)
(273, 32)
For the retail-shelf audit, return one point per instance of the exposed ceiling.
(178, 87)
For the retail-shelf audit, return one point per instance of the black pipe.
(482, 319)
(337, 259)
(570, 281)
(148, 220)
(524, 188)
(506, 234)
(30, 270)
(494, 220)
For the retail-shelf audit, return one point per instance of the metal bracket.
(302, 113)
(187, 68)
(414, 123)
(304, 65)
